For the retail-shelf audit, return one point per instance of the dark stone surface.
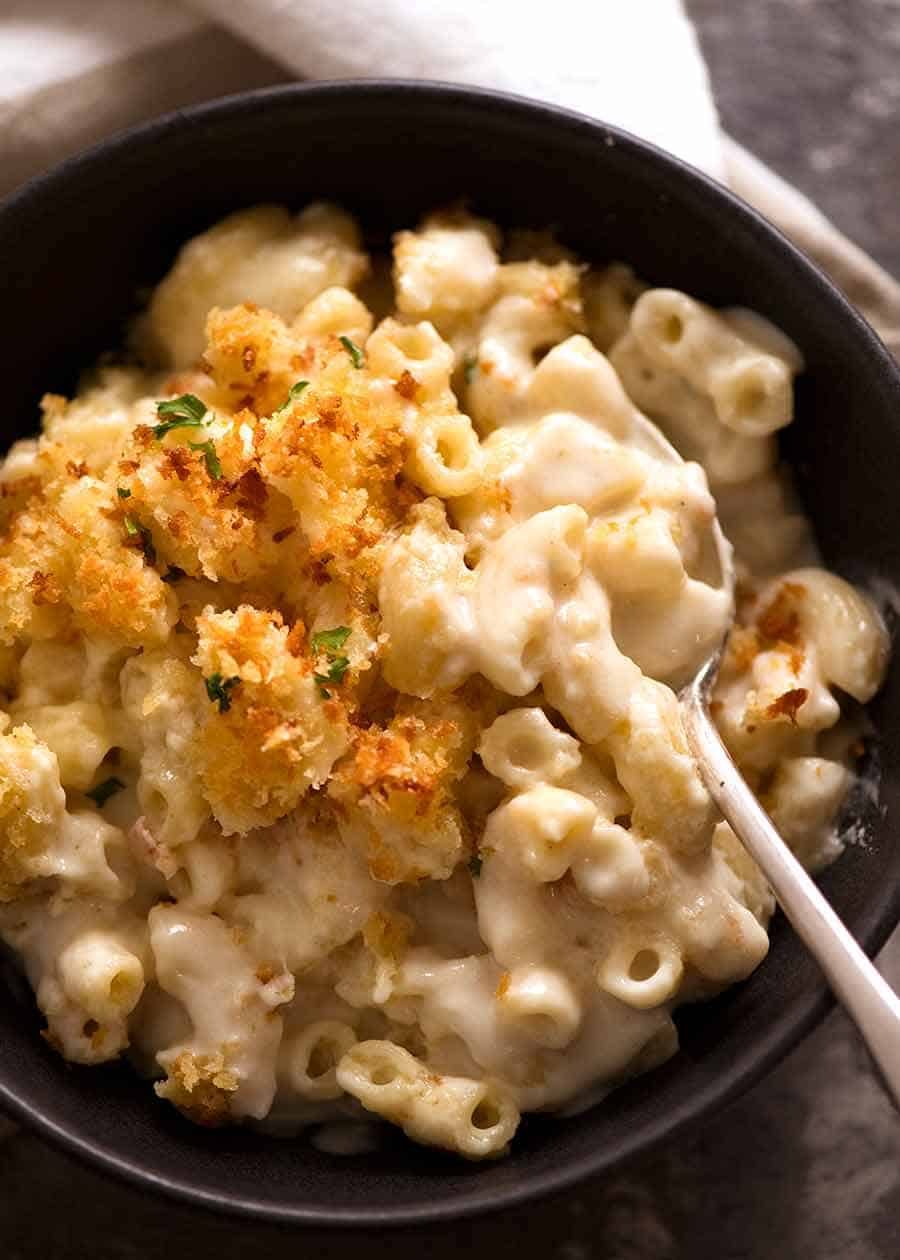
(813, 88)
(806, 1166)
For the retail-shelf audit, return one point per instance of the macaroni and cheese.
(341, 623)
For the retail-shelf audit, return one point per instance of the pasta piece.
(447, 269)
(803, 801)
(227, 1066)
(845, 628)
(515, 606)
(299, 892)
(751, 886)
(541, 830)
(538, 307)
(720, 939)
(575, 377)
(87, 963)
(609, 295)
(750, 387)
(525, 750)
(80, 733)
(764, 524)
(260, 255)
(688, 418)
(541, 1003)
(655, 767)
(94, 426)
(101, 975)
(313, 1056)
(445, 457)
(425, 612)
(642, 973)
(612, 870)
(165, 697)
(474, 1118)
(336, 312)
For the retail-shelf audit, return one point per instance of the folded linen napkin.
(72, 73)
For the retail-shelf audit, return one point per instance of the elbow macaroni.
(341, 763)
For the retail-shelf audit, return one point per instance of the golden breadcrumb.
(337, 451)
(200, 1086)
(31, 808)
(271, 735)
(397, 785)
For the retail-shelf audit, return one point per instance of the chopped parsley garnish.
(135, 530)
(470, 367)
(172, 574)
(330, 640)
(475, 864)
(186, 412)
(219, 690)
(210, 458)
(123, 492)
(294, 392)
(357, 357)
(337, 668)
(328, 643)
(103, 791)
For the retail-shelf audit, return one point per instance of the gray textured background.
(806, 1166)
(813, 87)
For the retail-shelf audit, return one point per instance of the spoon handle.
(864, 994)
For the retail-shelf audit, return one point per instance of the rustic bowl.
(77, 246)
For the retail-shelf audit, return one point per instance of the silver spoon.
(866, 996)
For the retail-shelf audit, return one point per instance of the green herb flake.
(103, 791)
(210, 458)
(123, 492)
(328, 643)
(337, 668)
(186, 412)
(357, 357)
(134, 529)
(219, 690)
(470, 367)
(293, 393)
(475, 864)
(330, 640)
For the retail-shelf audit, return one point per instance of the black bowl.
(77, 245)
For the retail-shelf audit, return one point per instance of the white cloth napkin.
(72, 71)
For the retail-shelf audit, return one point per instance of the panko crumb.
(200, 1086)
(31, 809)
(397, 785)
(272, 735)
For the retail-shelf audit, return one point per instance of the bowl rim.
(794, 1023)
